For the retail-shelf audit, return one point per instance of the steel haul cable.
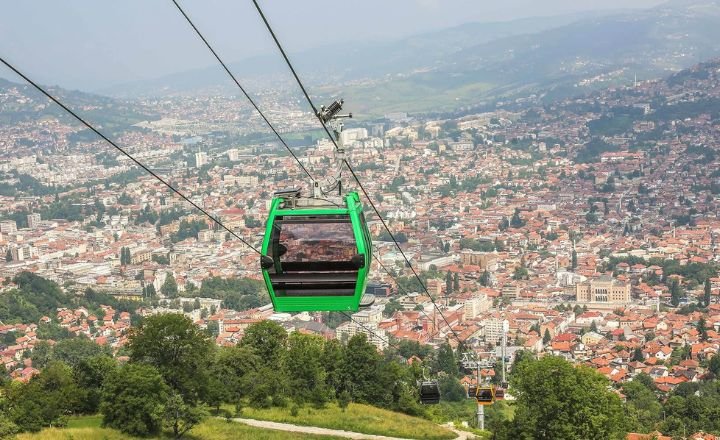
(352, 171)
(123, 151)
(242, 89)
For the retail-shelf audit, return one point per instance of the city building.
(477, 305)
(493, 329)
(8, 226)
(604, 290)
(33, 220)
(140, 255)
(486, 260)
(200, 159)
(511, 291)
(376, 336)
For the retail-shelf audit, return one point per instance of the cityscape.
(583, 226)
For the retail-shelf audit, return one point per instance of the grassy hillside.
(357, 418)
(88, 428)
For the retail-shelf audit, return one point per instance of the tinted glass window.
(308, 241)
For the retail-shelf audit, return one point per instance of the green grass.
(85, 422)
(75, 434)
(88, 428)
(357, 418)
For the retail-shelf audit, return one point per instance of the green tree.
(333, 362)
(230, 374)
(521, 273)
(134, 398)
(213, 328)
(504, 224)
(125, 199)
(714, 365)
(90, 375)
(448, 283)
(344, 400)
(485, 278)
(181, 417)
(546, 337)
(707, 292)
(359, 368)
(8, 428)
(516, 221)
(593, 327)
(52, 331)
(643, 409)
(169, 287)
(451, 390)
(446, 360)
(179, 349)
(150, 291)
(574, 260)
(268, 340)
(638, 355)
(75, 350)
(305, 369)
(675, 293)
(8, 256)
(41, 355)
(391, 307)
(702, 329)
(46, 399)
(456, 282)
(556, 400)
(125, 256)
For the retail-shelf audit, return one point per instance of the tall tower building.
(200, 158)
(33, 220)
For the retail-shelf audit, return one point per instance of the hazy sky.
(89, 44)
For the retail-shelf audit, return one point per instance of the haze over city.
(89, 45)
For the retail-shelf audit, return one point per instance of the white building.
(200, 158)
(353, 134)
(477, 305)
(8, 227)
(493, 330)
(376, 336)
(33, 220)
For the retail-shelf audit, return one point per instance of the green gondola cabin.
(316, 255)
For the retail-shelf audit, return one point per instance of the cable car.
(472, 391)
(429, 392)
(316, 254)
(499, 393)
(485, 395)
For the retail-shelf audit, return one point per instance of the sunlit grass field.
(88, 428)
(357, 418)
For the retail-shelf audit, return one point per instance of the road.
(332, 432)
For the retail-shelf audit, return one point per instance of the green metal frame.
(363, 241)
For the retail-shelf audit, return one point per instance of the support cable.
(242, 89)
(386, 340)
(123, 151)
(352, 171)
(387, 271)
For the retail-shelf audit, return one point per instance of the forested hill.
(22, 103)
